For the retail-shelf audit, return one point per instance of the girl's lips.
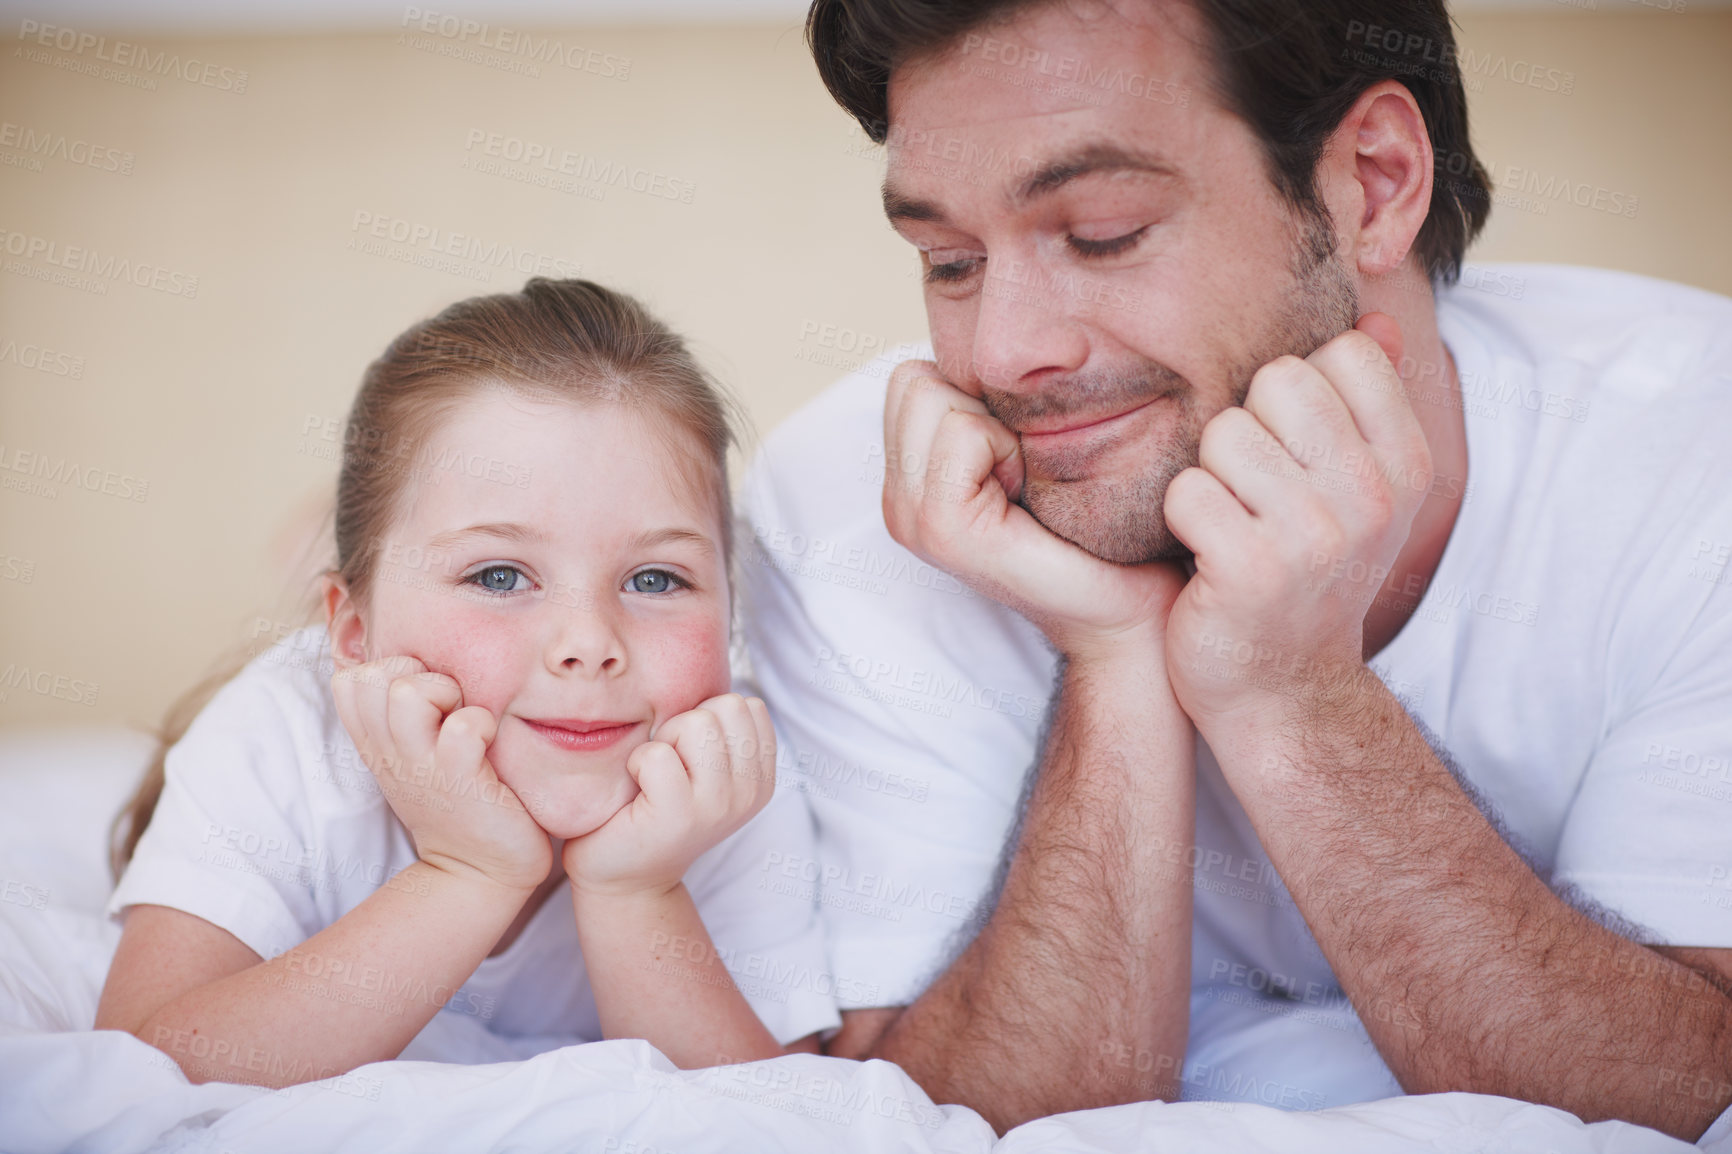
(585, 741)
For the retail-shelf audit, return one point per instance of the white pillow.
(59, 791)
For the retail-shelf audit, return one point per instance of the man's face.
(1106, 260)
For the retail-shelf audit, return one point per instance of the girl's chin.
(571, 807)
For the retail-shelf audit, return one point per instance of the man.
(1385, 626)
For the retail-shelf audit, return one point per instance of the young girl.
(522, 683)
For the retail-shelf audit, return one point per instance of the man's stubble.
(1120, 517)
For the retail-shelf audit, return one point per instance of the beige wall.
(205, 416)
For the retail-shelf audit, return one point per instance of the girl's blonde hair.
(569, 340)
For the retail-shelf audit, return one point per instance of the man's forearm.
(1084, 965)
(1469, 973)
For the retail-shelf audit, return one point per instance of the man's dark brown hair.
(1290, 69)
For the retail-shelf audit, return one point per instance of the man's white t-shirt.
(270, 827)
(1572, 655)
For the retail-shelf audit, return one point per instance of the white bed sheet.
(66, 1088)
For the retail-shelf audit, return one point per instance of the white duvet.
(63, 1087)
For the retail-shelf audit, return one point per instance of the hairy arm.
(1468, 971)
(1076, 992)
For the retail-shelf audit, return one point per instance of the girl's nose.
(586, 640)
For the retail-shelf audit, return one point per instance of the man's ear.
(343, 622)
(1375, 176)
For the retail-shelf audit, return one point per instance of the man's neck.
(1429, 372)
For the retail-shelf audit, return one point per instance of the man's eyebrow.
(1089, 159)
(1048, 178)
(898, 206)
(671, 535)
(505, 530)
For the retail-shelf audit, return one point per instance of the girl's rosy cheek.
(480, 652)
(691, 663)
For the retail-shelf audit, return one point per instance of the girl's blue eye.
(496, 578)
(653, 581)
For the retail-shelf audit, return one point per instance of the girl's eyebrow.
(506, 530)
(514, 531)
(654, 537)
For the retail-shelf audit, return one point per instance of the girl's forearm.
(656, 975)
(356, 992)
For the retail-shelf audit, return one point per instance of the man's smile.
(1060, 444)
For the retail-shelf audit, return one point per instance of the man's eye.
(945, 272)
(1109, 247)
(497, 578)
(653, 581)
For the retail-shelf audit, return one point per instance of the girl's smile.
(583, 736)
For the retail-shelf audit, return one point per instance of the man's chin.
(1125, 527)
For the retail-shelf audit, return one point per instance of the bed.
(64, 1087)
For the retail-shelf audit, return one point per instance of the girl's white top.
(270, 827)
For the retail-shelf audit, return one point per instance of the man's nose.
(1026, 325)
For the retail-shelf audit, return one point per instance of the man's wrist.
(1278, 737)
(1141, 644)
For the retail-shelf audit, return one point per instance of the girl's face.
(557, 561)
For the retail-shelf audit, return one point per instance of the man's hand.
(1303, 499)
(952, 476)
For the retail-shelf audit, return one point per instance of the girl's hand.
(429, 755)
(703, 777)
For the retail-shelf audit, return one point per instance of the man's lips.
(1065, 426)
(576, 734)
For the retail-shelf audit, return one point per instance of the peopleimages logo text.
(125, 54)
